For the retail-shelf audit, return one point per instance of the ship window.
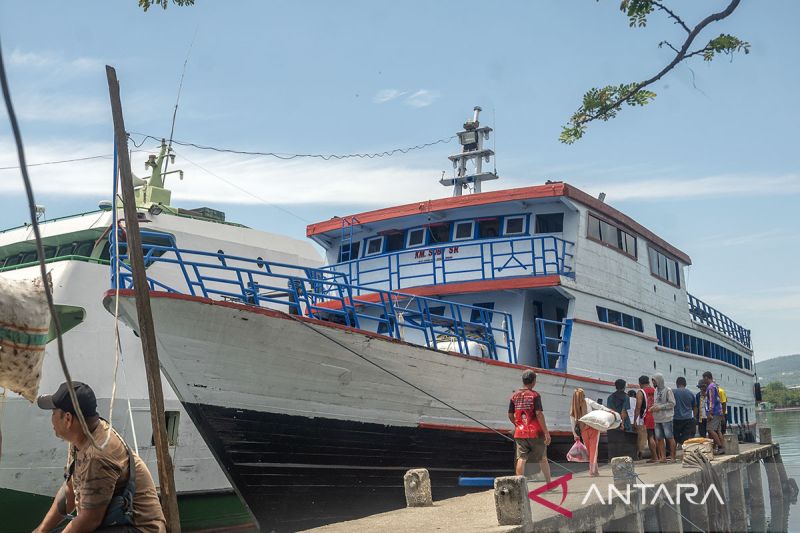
(13, 260)
(488, 228)
(374, 246)
(438, 310)
(439, 232)
(664, 267)
(30, 257)
(67, 249)
(475, 316)
(415, 237)
(609, 316)
(50, 252)
(172, 418)
(394, 242)
(594, 228)
(84, 249)
(551, 223)
(463, 230)
(612, 236)
(349, 251)
(514, 225)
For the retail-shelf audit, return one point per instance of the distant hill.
(785, 369)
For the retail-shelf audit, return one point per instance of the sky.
(711, 165)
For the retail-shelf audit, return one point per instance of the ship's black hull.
(295, 472)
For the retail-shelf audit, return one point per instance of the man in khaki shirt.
(97, 475)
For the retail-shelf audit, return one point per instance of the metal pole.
(169, 499)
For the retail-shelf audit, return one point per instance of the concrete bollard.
(623, 470)
(511, 502)
(765, 435)
(736, 502)
(731, 443)
(755, 493)
(773, 483)
(417, 483)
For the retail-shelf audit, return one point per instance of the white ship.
(300, 379)
(77, 252)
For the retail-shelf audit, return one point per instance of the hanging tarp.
(24, 325)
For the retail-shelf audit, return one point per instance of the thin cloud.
(712, 186)
(62, 108)
(387, 95)
(53, 60)
(232, 179)
(422, 98)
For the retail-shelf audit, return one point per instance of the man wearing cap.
(97, 478)
(530, 429)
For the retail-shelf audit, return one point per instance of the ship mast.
(471, 140)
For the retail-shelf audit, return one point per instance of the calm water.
(786, 432)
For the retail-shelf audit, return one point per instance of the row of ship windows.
(80, 248)
(661, 265)
(676, 340)
(443, 232)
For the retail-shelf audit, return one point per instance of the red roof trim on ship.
(128, 293)
(553, 190)
(473, 429)
(465, 287)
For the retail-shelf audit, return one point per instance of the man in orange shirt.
(530, 429)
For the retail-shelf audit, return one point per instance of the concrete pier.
(588, 503)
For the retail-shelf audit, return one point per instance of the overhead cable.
(286, 156)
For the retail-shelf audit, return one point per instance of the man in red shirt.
(645, 423)
(530, 429)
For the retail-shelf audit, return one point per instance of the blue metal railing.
(705, 314)
(461, 261)
(320, 294)
(554, 349)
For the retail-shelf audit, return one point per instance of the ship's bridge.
(475, 238)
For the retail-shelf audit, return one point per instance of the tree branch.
(672, 15)
(669, 45)
(631, 94)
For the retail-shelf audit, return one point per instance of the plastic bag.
(578, 453)
(602, 420)
(24, 324)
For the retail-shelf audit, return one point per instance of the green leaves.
(603, 104)
(725, 44)
(147, 4)
(637, 11)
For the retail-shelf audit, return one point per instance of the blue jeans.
(663, 430)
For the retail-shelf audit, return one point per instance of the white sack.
(602, 420)
(24, 325)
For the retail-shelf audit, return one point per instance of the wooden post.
(169, 500)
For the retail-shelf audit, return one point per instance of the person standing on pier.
(714, 411)
(700, 410)
(619, 402)
(663, 410)
(530, 429)
(685, 407)
(581, 406)
(645, 425)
